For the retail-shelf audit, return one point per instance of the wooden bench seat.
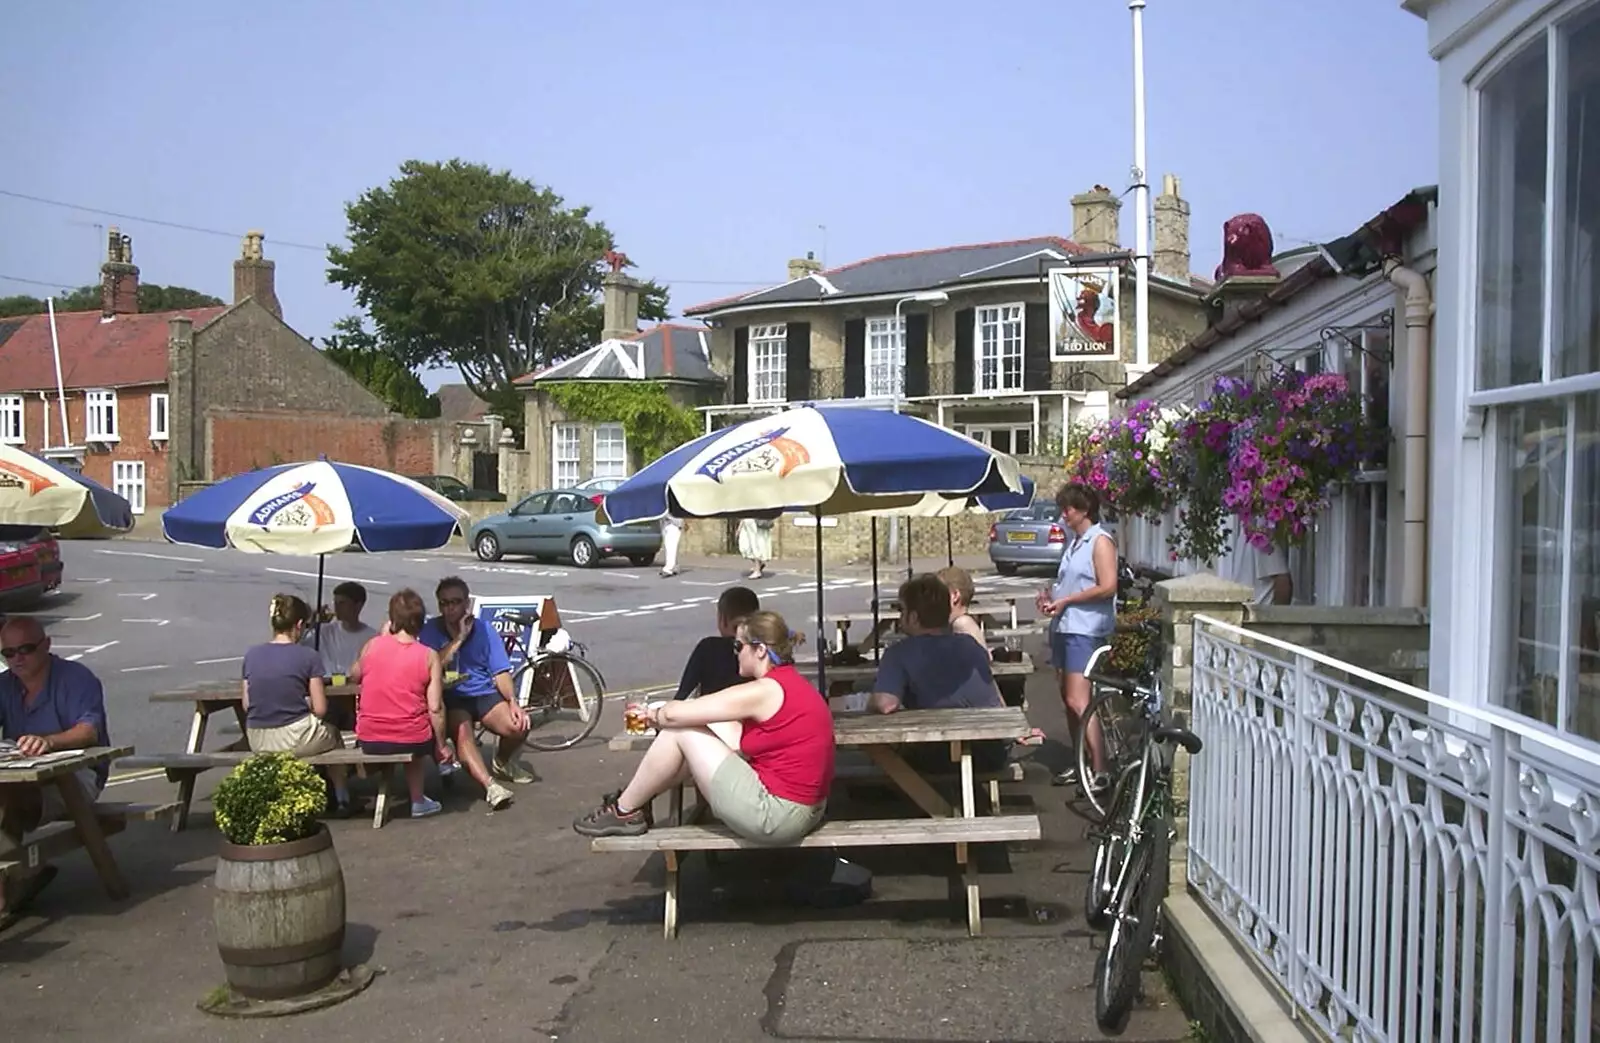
(670, 840)
(182, 768)
(55, 839)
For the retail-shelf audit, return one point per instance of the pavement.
(505, 926)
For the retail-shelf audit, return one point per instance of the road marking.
(696, 601)
(136, 776)
(661, 604)
(675, 608)
(91, 650)
(625, 575)
(225, 659)
(142, 597)
(329, 575)
(81, 619)
(91, 581)
(144, 554)
(142, 669)
(157, 622)
(700, 583)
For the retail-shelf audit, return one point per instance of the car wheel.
(583, 553)
(487, 546)
(641, 559)
(1005, 568)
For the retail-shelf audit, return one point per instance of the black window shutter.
(855, 358)
(966, 351)
(741, 364)
(797, 362)
(916, 355)
(1036, 348)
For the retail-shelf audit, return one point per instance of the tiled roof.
(667, 351)
(127, 351)
(910, 272)
(458, 404)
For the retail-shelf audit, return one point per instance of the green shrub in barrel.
(280, 902)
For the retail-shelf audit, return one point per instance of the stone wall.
(1392, 642)
(243, 440)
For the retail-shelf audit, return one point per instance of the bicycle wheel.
(1118, 970)
(1111, 853)
(1118, 731)
(563, 696)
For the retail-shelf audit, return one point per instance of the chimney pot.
(620, 306)
(1095, 220)
(119, 277)
(800, 267)
(254, 275)
(1171, 210)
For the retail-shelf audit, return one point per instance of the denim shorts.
(1072, 652)
(478, 706)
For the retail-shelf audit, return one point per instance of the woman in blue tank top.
(1084, 604)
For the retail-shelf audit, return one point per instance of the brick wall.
(243, 440)
(133, 442)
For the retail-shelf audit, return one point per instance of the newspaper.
(12, 757)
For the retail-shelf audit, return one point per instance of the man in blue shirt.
(46, 704)
(482, 695)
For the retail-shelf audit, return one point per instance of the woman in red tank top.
(777, 791)
(402, 696)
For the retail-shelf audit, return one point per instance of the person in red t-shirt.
(402, 696)
(777, 791)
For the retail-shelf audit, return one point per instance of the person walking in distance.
(671, 532)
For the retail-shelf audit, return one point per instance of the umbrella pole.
(876, 642)
(908, 553)
(316, 606)
(822, 647)
(949, 544)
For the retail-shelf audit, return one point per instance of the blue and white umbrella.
(827, 461)
(36, 492)
(320, 507)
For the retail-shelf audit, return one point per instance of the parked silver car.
(1031, 536)
(561, 523)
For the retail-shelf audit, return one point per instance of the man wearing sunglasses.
(46, 704)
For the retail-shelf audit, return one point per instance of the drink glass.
(635, 719)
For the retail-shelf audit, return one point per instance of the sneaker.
(512, 772)
(425, 807)
(448, 768)
(608, 821)
(1100, 783)
(1065, 778)
(610, 800)
(498, 796)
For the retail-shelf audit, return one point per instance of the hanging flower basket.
(1201, 473)
(1134, 456)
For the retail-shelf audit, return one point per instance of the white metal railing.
(1407, 867)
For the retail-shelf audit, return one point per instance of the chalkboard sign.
(491, 610)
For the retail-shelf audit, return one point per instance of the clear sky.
(716, 138)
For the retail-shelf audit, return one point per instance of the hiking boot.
(513, 772)
(608, 821)
(498, 796)
(611, 799)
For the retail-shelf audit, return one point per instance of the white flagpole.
(1141, 198)
(61, 391)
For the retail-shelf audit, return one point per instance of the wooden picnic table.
(885, 618)
(86, 827)
(853, 672)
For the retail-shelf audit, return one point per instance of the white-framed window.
(1536, 386)
(769, 357)
(127, 481)
(159, 424)
(610, 451)
(998, 338)
(1364, 355)
(565, 444)
(1007, 438)
(886, 357)
(11, 425)
(100, 416)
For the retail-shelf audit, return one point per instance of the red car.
(30, 564)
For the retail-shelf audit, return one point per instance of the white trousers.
(671, 533)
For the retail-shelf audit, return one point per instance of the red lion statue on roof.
(1246, 247)
(616, 260)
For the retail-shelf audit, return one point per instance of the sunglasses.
(20, 650)
(740, 646)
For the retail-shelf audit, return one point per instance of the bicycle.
(551, 686)
(1130, 874)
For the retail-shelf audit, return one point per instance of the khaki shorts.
(303, 738)
(743, 804)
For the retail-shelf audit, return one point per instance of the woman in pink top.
(402, 696)
(761, 753)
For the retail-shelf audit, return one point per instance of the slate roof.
(911, 272)
(127, 351)
(665, 352)
(458, 404)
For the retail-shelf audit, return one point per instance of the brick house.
(153, 401)
(563, 450)
(960, 334)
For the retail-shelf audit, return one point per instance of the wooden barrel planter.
(280, 916)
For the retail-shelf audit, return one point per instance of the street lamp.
(925, 297)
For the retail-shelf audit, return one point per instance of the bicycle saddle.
(1182, 736)
(520, 619)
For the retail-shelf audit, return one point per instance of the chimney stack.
(1172, 230)
(621, 306)
(1095, 220)
(119, 277)
(253, 275)
(800, 267)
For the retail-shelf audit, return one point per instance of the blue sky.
(713, 137)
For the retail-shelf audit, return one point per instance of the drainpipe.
(1419, 321)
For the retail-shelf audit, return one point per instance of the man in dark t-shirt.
(932, 668)
(714, 665)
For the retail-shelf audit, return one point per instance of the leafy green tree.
(462, 265)
(357, 351)
(152, 298)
